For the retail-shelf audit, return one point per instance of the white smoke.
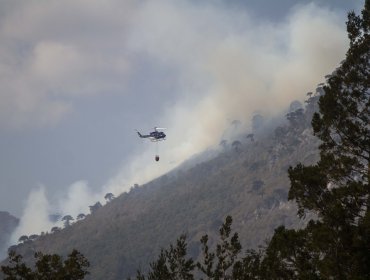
(227, 65)
(70, 204)
(35, 217)
(230, 66)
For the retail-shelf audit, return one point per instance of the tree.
(67, 220)
(81, 216)
(16, 268)
(95, 207)
(222, 263)
(249, 267)
(33, 237)
(289, 256)
(172, 263)
(47, 267)
(336, 246)
(23, 238)
(343, 122)
(218, 264)
(75, 266)
(180, 266)
(340, 179)
(55, 229)
(109, 197)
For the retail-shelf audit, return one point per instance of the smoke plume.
(224, 63)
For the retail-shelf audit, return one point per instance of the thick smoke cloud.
(224, 65)
(35, 216)
(230, 65)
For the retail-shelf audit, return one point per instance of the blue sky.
(78, 77)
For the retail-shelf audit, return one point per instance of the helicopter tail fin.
(141, 136)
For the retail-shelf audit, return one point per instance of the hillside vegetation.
(247, 179)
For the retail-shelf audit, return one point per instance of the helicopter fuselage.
(154, 136)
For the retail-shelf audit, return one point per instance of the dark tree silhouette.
(46, 267)
(33, 237)
(67, 220)
(109, 197)
(81, 216)
(171, 263)
(23, 238)
(218, 264)
(336, 246)
(95, 207)
(55, 229)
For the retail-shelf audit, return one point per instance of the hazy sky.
(78, 77)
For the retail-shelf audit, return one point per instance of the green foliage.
(337, 187)
(171, 264)
(218, 264)
(47, 267)
(343, 122)
(75, 266)
(16, 269)
(249, 267)
(289, 255)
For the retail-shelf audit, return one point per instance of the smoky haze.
(229, 67)
(190, 67)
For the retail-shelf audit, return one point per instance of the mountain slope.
(247, 180)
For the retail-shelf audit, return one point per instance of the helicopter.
(155, 135)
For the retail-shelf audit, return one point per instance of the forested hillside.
(247, 179)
